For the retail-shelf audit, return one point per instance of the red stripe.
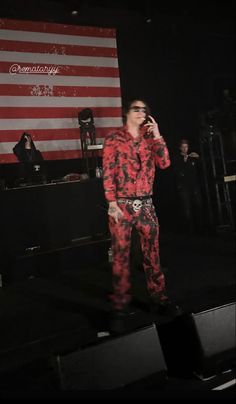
(7, 158)
(50, 134)
(67, 70)
(62, 155)
(52, 155)
(58, 91)
(33, 26)
(66, 112)
(41, 47)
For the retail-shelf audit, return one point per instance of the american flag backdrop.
(48, 74)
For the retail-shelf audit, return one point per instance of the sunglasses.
(136, 108)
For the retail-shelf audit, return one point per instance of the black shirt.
(186, 172)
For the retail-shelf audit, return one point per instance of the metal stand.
(88, 140)
(216, 179)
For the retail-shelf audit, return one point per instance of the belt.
(141, 198)
(136, 203)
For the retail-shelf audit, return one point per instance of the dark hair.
(183, 141)
(127, 105)
(22, 140)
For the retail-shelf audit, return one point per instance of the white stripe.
(84, 102)
(54, 123)
(225, 385)
(54, 59)
(32, 79)
(28, 36)
(48, 145)
(55, 145)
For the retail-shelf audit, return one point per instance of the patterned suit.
(128, 173)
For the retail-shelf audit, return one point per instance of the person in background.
(130, 157)
(31, 167)
(185, 167)
(26, 151)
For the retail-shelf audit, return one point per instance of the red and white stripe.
(46, 105)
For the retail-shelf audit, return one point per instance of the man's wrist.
(158, 137)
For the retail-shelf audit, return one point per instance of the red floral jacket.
(129, 165)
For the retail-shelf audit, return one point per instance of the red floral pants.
(142, 215)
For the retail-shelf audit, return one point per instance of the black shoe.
(123, 313)
(119, 319)
(167, 308)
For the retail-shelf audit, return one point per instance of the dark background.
(179, 57)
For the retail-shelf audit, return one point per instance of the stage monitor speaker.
(216, 338)
(114, 362)
(204, 342)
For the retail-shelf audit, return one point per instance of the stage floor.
(66, 310)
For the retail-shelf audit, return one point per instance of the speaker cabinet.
(203, 343)
(216, 338)
(113, 363)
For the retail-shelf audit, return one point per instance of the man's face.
(183, 148)
(137, 113)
